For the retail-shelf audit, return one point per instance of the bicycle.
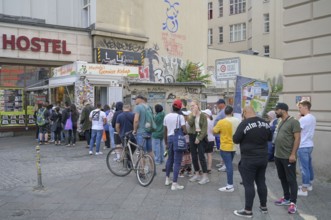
(120, 160)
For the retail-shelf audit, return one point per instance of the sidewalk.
(79, 186)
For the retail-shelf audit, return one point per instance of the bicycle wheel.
(145, 170)
(118, 162)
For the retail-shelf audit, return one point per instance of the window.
(237, 32)
(210, 36)
(86, 13)
(220, 30)
(266, 51)
(210, 10)
(237, 6)
(220, 8)
(266, 23)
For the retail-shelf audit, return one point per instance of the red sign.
(35, 44)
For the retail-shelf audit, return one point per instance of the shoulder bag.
(179, 138)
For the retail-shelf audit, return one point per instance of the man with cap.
(287, 140)
(139, 124)
(221, 115)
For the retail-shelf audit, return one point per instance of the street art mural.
(162, 69)
(171, 22)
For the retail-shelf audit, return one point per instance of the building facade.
(307, 69)
(156, 36)
(246, 26)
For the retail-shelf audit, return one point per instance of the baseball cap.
(139, 97)
(220, 101)
(177, 103)
(208, 112)
(282, 106)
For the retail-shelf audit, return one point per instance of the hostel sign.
(227, 68)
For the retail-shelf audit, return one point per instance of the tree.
(192, 72)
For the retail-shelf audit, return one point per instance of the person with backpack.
(67, 122)
(43, 122)
(141, 127)
(98, 118)
(56, 117)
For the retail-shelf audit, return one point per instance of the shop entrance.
(100, 95)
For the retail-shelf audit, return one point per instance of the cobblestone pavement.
(79, 186)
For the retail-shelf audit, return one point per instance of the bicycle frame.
(127, 144)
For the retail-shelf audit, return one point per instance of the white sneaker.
(90, 152)
(309, 188)
(113, 152)
(98, 153)
(226, 189)
(204, 180)
(222, 169)
(195, 178)
(302, 193)
(168, 182)
(176, 186)
(219, 165)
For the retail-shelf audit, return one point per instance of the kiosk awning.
(62, 81)
(36, 88)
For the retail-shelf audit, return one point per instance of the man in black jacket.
(253, 134)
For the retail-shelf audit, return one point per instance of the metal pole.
(40, 185)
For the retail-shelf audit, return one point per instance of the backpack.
(41, 117)
(150, 125)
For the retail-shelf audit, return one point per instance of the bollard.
(40, 185)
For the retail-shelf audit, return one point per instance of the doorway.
(100, 95)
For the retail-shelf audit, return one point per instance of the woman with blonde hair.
(198, 141)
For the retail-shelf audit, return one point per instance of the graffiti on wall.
(171, 22)
(172, 43)
(162, 69)
(119, 45)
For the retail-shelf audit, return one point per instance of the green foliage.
(192, 72)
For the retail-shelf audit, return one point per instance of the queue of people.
(282, 139)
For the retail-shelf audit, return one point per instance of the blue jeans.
(271, 151)
(111, 136)
(148, 142)
(218, 142)
(158, 149)
(96, 137)
(306, 167)
(227, 157)
(174, 159)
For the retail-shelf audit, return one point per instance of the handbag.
(68, 125)
(179, 138)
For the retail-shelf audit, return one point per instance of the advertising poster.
(12, 112)
(251, 92)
